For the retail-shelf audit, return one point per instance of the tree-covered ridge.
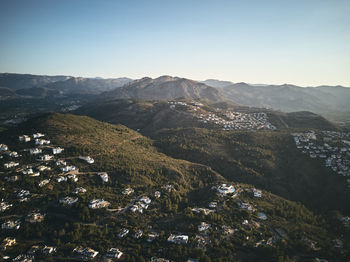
(268, 160)
(187, 190)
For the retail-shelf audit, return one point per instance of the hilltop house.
(85, 252)
(123, 232)
(11, 224)
(128, 191)
(24, 138)
(225, 189)
(42, 142)
(8, 242)
(35, 217)
(57, 150)
(48, 250)
(38, 135)
(3, 147)
(145, 199)
(4, 206)
(13, 154)
(203, 226)
(98, 203)
(138, 234)
(88, 159)
(68, 200)
(73, 177)
(114, 253)
(68, 168)
(262, 216)
(103, 176)
(23, 193)
(35, 151)
(44, 182)
(257, 193)
(157, 194)
(11, 164)
(45, 158)
(23, 258)
(61, 163)
(61, 179)
(79, 190)
(178, 239)
(27, 171)
(213, 204)
(44, 168)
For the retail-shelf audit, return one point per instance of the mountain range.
(329, 101)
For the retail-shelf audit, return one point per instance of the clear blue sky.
(302, 42)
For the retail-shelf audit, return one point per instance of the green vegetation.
(267, 160)
(132, 160)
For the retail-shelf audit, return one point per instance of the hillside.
(264, 159)
(117, 148)
(151, 116)
(22, 81)
(238, 226)
(164, 88)
(91, 86)
(329, 101)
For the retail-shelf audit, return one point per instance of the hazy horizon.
(299, 43)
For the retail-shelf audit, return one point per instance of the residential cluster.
(49, 165)
(331, 146)
(226, 120)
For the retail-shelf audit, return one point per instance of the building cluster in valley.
(225, 119)
(332, 147)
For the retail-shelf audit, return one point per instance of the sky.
(302, 42)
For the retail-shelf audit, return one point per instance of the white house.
(98, 203)
(11, 224)
(27, 171)
(48, 250)
(61, 163)
(262, 216)
(157, 194)
(35, 151)
(74, 178)
(68, 168)
(128, 191)
(203, 227)
(68, 200)
(88, 159)
(145, 199)
(257, 193)
(3, 147)
(178, 239)
(61, 179)
(114, 253)
(24, 138)
(37, 135)
(44, 182)
(57, 150)
(85, 252)
(104, 176)
(123, 232)
(11, 164)
(79, 190)
(226, 189)
(45, 158)
(4, 206)
(42, 142)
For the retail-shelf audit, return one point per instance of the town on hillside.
(43, 181)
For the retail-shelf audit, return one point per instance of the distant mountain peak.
(164, 88)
